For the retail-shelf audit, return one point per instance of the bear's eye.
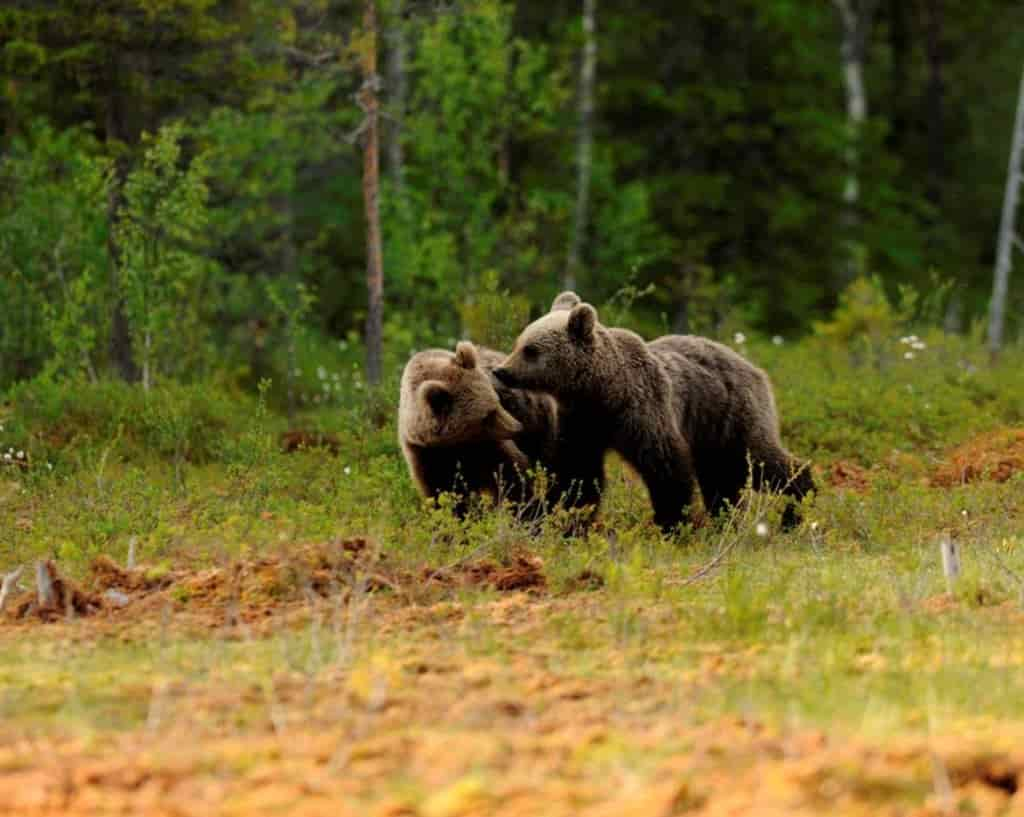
(531, 352)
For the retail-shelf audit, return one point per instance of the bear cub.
(458, 435)
(677, 409)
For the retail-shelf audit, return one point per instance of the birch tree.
(1007, 231)
(855, 23)
(397, 87)
(585, 142)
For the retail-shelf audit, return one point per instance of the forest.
(228, 227)
(200, 165)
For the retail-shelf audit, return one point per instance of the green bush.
(48, 418)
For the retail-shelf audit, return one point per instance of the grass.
(672, 674)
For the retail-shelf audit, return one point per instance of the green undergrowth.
(847, 619)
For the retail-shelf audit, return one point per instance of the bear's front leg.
(667, 470)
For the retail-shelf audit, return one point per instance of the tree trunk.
(371, 188)
(585, 142)
(855, 22)
(397, 90)
(289, 270)
(121, 353)
(1007, 231)
(935, 103)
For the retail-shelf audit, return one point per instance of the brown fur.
(456, 434)
(677, 408)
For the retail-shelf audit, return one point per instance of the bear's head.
(555, 353)
(448, 399)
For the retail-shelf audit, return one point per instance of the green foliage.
(494, 317)
(458, 213)
(163, 274)
(717, 177)
(54, 272)
(59, 422)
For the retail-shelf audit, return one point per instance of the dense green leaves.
(720, 158)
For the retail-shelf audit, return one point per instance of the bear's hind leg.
(779, 471)
(722, 478)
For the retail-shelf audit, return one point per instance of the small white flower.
(777, 340)
(912, 338)
(7, 457)
(21, 455)
(49, 466)
(1, 427)
(739, 338)
(908, 355)
(814, 526)
(919, 345)
(963, 512)
(346, 470)
(321, 373)
(761, 529)
(904, 340)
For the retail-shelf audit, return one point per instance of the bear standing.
(676, 408)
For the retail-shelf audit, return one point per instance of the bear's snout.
(505, 377)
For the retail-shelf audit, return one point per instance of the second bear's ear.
(465, 355)
(565, 302)
(581, 322)
(435, 395)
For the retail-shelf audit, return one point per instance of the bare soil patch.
(250, 589)
(995, 456)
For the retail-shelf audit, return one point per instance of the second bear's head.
(448, 399)
(555, 353)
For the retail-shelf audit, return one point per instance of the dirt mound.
(251, 589)
(849, 476)
(995, 456)
(107, 574)
(55, 596)
(524, 572)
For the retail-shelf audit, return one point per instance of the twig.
(10, 581)
(706, 569)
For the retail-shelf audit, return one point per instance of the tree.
(397, 85)
(585, 139)
(855, 21)
(1007, 231)
(371, 192)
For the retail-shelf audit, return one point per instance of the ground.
(301, 637)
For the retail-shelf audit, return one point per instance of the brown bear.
(677, 407)
(457, 436)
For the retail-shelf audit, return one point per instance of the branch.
(306, 58)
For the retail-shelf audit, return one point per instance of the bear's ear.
(437, 397)
(581, 322)
(465, 355)
(565, 301)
